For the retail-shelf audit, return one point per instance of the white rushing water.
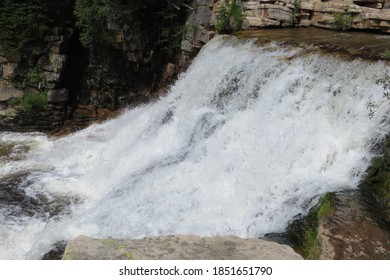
(245, 140)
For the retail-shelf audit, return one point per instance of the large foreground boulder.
(180, 247)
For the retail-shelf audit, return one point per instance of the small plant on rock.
(229, 18)
(30, 102)
(342, 21)
(30, 77)
(386, 54)
(296, 11)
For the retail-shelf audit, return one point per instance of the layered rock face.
(352, 14)
(180, 247)
(364, 14)
(51, 57)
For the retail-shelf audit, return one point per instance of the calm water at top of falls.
(246, 139)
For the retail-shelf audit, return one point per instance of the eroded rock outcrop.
(351, 233)
(363, 14)
(180, 247)
(352, 14)
(341, 227)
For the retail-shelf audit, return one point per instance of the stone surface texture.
(365, 15)
(180, 247)
(351, 233)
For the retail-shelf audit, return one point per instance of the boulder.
(180, 247)
(7, 91)
(351, 233)
(186, 46)
(9, 70)
(58, 95)
(56, 63)
(102, 99)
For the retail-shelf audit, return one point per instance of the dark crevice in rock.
(57, 252)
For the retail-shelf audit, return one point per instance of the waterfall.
(247, 139)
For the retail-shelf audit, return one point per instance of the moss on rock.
(376, 185)
(304, 232)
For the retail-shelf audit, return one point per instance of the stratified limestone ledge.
(180, 247)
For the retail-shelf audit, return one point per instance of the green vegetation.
(92, 19)
(229, 18)
(30, 77)
(376, 186)
(342, 21)
(326, 207)
(22, 22)
(304, 232)
(30, 102)
(161, 19)
(386, 54)
(296, 11)
(311, 249)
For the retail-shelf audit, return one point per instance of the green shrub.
(92, 17)
(33, 77)
(296, 11)
(386, 54)
(342, 21)
(21, 22)
(161, 20)
(30, 102)
(229, 18)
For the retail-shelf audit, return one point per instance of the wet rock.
(376, 186)
(341, 227)
(58, 95)
(57, 252)
(180, 247)
(103, 99)
(16, 202)
(350, 233)
(348, 45)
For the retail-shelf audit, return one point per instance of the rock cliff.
(331, 14)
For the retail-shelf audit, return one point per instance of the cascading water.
(245, 140)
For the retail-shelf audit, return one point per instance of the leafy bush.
(229, 18)
(296, 11)
(21, 22)
(30, 102)
(160, 19)
(92, 17)
(342, 21)
(386, 54)
(29, 77)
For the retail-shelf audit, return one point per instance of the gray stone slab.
(179, 247)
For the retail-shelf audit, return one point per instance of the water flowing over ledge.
(248, 138)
